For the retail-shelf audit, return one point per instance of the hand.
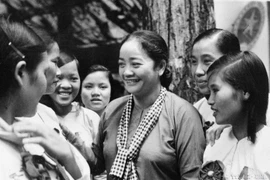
(74, 139)
(6, 132)
(54, 145)
(213, 133)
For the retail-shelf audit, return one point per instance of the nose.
(126, 71)
(64, 83)
(200, 70)
(58, 71)
(95, 91)
(210, 100)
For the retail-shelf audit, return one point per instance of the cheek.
(76, 87)
(85, 94)
(193, 69)
(107, 94)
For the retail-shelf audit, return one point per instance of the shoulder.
(178, 104)
(180, 112)
(113, 111)
(47, 115)
(90, 113)
(118, 103)
(200, 103)
(263, 134)
(43, 108)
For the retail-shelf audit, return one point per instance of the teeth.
(132, 81)
(66, 94)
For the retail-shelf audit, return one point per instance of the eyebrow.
(207, 55)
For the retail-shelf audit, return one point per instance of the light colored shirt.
(205, 110)
(236, 154)
(81, 121)
(10, 156)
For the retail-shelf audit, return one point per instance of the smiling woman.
(75, 120)
(146, 119)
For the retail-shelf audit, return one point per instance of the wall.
(226, 13)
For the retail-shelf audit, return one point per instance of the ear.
(161, 67)
(19, 72)
(246, 95)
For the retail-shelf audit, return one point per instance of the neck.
(240, 127)
(100, 112)
(7, 111)
(145, 101)
(62, 110)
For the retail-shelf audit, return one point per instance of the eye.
(56, 61)
(60, 77)
(214, 90)
(121, 64)
(193, 61)
(88, 86)
(136, 65)
(103, 87)
(74, 79)
(208, 61)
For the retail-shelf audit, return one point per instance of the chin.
(204, 91)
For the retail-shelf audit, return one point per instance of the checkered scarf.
(123, 166)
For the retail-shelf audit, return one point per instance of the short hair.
(67, 57)
(226, 43)
(156, 48)
(245, 71)
(18, 42)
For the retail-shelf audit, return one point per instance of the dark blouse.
(173, 150)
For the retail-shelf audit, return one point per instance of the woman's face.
(226, 102)
(33, 88)
(68, 85)
(204, 53)
(137, 70)
(96, 91)
(53, 55)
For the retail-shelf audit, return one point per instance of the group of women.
(150, 133)
(236, 87)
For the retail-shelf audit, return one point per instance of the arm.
(55, 145)
(93, 154)
(213, 133)
(190, 142)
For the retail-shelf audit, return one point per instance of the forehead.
(132, 47)
(206, 46)
(70, 67)
(97, 77)
(215, 77)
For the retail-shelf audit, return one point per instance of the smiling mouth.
(64, 94)
(131, 80)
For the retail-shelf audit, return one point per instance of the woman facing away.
(239, 89)
(24, 69)
(151, 133)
